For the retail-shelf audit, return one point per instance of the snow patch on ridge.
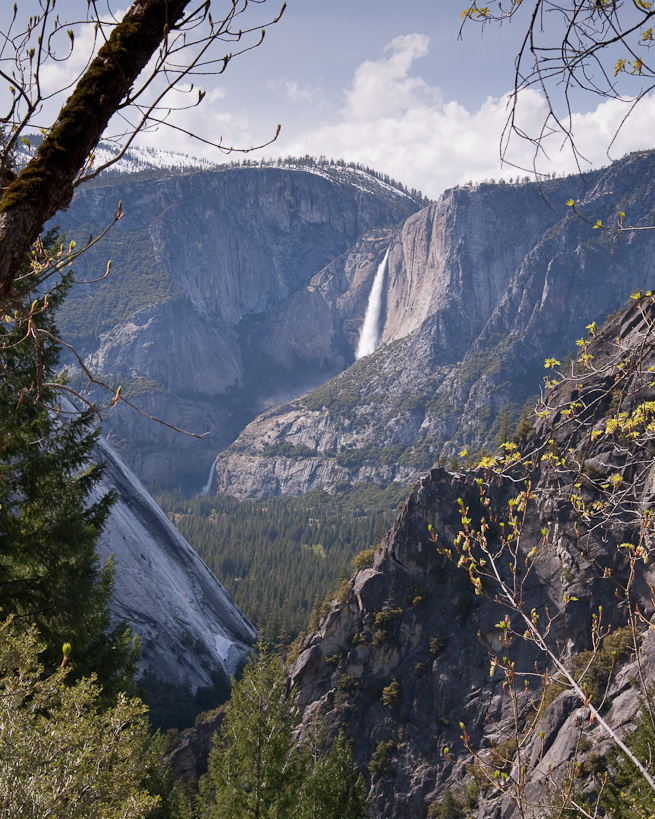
(141, 159)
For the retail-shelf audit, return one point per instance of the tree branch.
(45, 185)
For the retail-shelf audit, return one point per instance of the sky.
(390, 85)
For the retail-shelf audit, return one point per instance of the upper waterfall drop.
(370, 333)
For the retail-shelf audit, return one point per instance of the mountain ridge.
(255, 280)
(213, 254)
(471, 346)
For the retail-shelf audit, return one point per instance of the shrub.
(363, 560)
(601, 664)
(343, 592)
(380, 763)
(437, 645)
(448, 808)
(285, 449)
(384, 623)
(335, 659)
(391, 694)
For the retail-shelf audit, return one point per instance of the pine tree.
(330, 788)
(252, 772)
(256, 769)
(49, 522)
(626, 794)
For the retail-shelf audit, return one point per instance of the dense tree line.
(280, 556)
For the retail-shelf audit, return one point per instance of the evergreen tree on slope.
(49, 572)
(257, 769)
(251, 770)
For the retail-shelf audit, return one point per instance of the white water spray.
(370, 334)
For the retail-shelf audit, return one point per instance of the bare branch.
(150, 27)
(573, 45)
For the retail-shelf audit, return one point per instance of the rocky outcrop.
(481, 287)
(411, 659)
(212, 310)
(188, 757)
(191, 631)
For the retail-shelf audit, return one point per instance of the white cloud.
(385, 88)
(396, 122)
(294, 92)
(211, 120)
(596, 130)
(392, 118)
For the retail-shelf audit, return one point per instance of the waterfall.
(210, 479)
(370, 334)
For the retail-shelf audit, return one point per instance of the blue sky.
(384, 83)
(393, 86)
(320, 44)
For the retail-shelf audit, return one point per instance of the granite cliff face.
(211, 311)
(402, 660)
(192, 634)
(244, 288)
(481, 287)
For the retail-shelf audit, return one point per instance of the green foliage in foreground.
(49, 517)
(278, 557)
(257, 770)
(61, 754)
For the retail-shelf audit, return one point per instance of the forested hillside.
(280, 558)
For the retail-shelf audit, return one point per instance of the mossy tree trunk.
(46, 183)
